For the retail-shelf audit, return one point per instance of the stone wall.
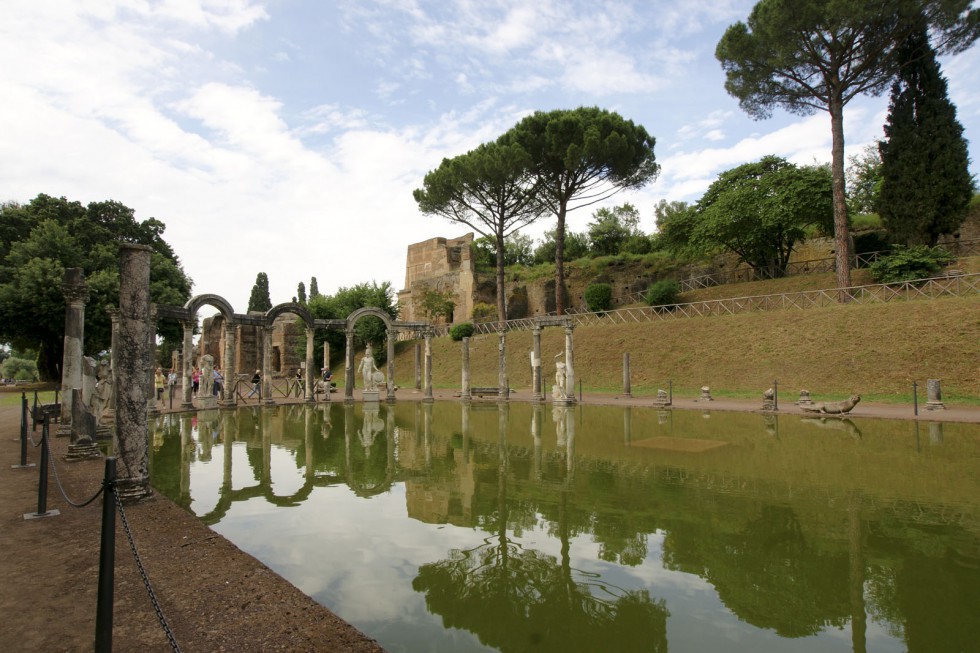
(286, 337)
(442, 265)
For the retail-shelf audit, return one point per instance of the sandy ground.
(214, 596)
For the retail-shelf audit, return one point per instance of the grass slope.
(875, 350)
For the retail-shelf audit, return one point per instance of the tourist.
(256, 385)
(196, 380)
(300, 382)
(160, 381)
(218, 380)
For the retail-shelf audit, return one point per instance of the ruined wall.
(286, 337)
(442, 265)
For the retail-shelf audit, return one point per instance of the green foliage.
(576, 247)
(580, 157)
(637, 244)
(314, 288)
(19, 369)
(459, 331)
(663, 293)
(301, 293)
(518, 250)
(611, 228)
(598, 297)
(863, 180)
(518, 304)
(41, 239)
(342, 304)
(675, 220)
(435, 303)
(910, 263)
(483, 312)
(926, 184)
(259, 300)
(760, 211)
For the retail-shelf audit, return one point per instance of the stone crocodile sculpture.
(833, 407)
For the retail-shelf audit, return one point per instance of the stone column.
(427, 395)
(465, 391)
(131, 440)
(502, 390)
(76, 296)
(267, 364)
(418, 366)
(309, 376)
(228, 390)
(188, 363)
(536, 393)
(627, 386)
(349, 368)
(569, 365)
(110, 413)
(934, 395)
(390, 381)
(151, 363)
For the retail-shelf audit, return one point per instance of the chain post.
(107, 561)
(42, 485)
(23, 429)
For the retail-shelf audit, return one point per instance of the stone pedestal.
(662, 400)
(705, 394)
(208, 402)
(934, 395)
(769, 400)
(804, 398)
(370, 396)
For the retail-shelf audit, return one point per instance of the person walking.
(256, 385)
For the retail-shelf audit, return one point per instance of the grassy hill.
(875, 350)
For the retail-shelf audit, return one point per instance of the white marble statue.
(560, 391)
(206, 384)
(369, 371)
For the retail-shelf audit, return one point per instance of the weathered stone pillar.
(110, 414)
(390, 381)
(131, 440)
(267, 364)
(309, 376)
(418, 366)
(569, 364)
(627, 386)
(326, 354)
(228, 389)
(503, 392)
(465, 390)
(934, 395)
(536, 393)
(349, 368)
(76, 296)
(427, 395)
(151, 363)
(187, 370)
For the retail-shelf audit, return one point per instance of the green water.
(452, 528)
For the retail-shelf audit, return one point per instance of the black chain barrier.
(57, 479)
(142, 570)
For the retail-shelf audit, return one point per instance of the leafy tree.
(518, 250)
(489, 189)
(314, 288)
(598, 297)
(437, 304)
(674, 225)
(581, 157)
(910, 263)
(926, 184)
(259, 300)
(19, 369)
(761, 210)
(41, 239)
(864, 180)
(576, 247)
(342, 304)
(301, 293)
(818, 55)
(611, 228)
(483, 312)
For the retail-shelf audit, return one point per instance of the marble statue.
(833, 407)
(206, 386)
(370, 373)
(560, 391)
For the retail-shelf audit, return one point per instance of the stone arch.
(290, 307)
(195, 303)
(368, 311)
(365, 311)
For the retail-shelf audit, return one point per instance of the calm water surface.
(520, 528)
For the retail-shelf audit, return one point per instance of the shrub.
(483, 312)
(462, 330)
(665, 291)
(20, 369)
(909, 263)
(598, 297)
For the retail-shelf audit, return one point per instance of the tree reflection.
(515, 598)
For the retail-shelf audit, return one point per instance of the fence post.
(915, 398)
(23, 429)
(107, 561)
(42, 487)
(775, 394)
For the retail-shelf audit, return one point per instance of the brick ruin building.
(441, 265)
(287, 339)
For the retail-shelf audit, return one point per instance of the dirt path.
(215, 597)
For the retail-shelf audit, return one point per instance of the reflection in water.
(596, 528)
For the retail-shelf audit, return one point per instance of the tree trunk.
(501, 304)
(560, 262)
(842, 242)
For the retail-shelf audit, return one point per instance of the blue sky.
(286, 136)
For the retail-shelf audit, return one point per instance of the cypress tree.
(259, 300)
(314, 288)
(926, 184)
(301, 292)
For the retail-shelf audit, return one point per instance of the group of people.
(199, 378)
